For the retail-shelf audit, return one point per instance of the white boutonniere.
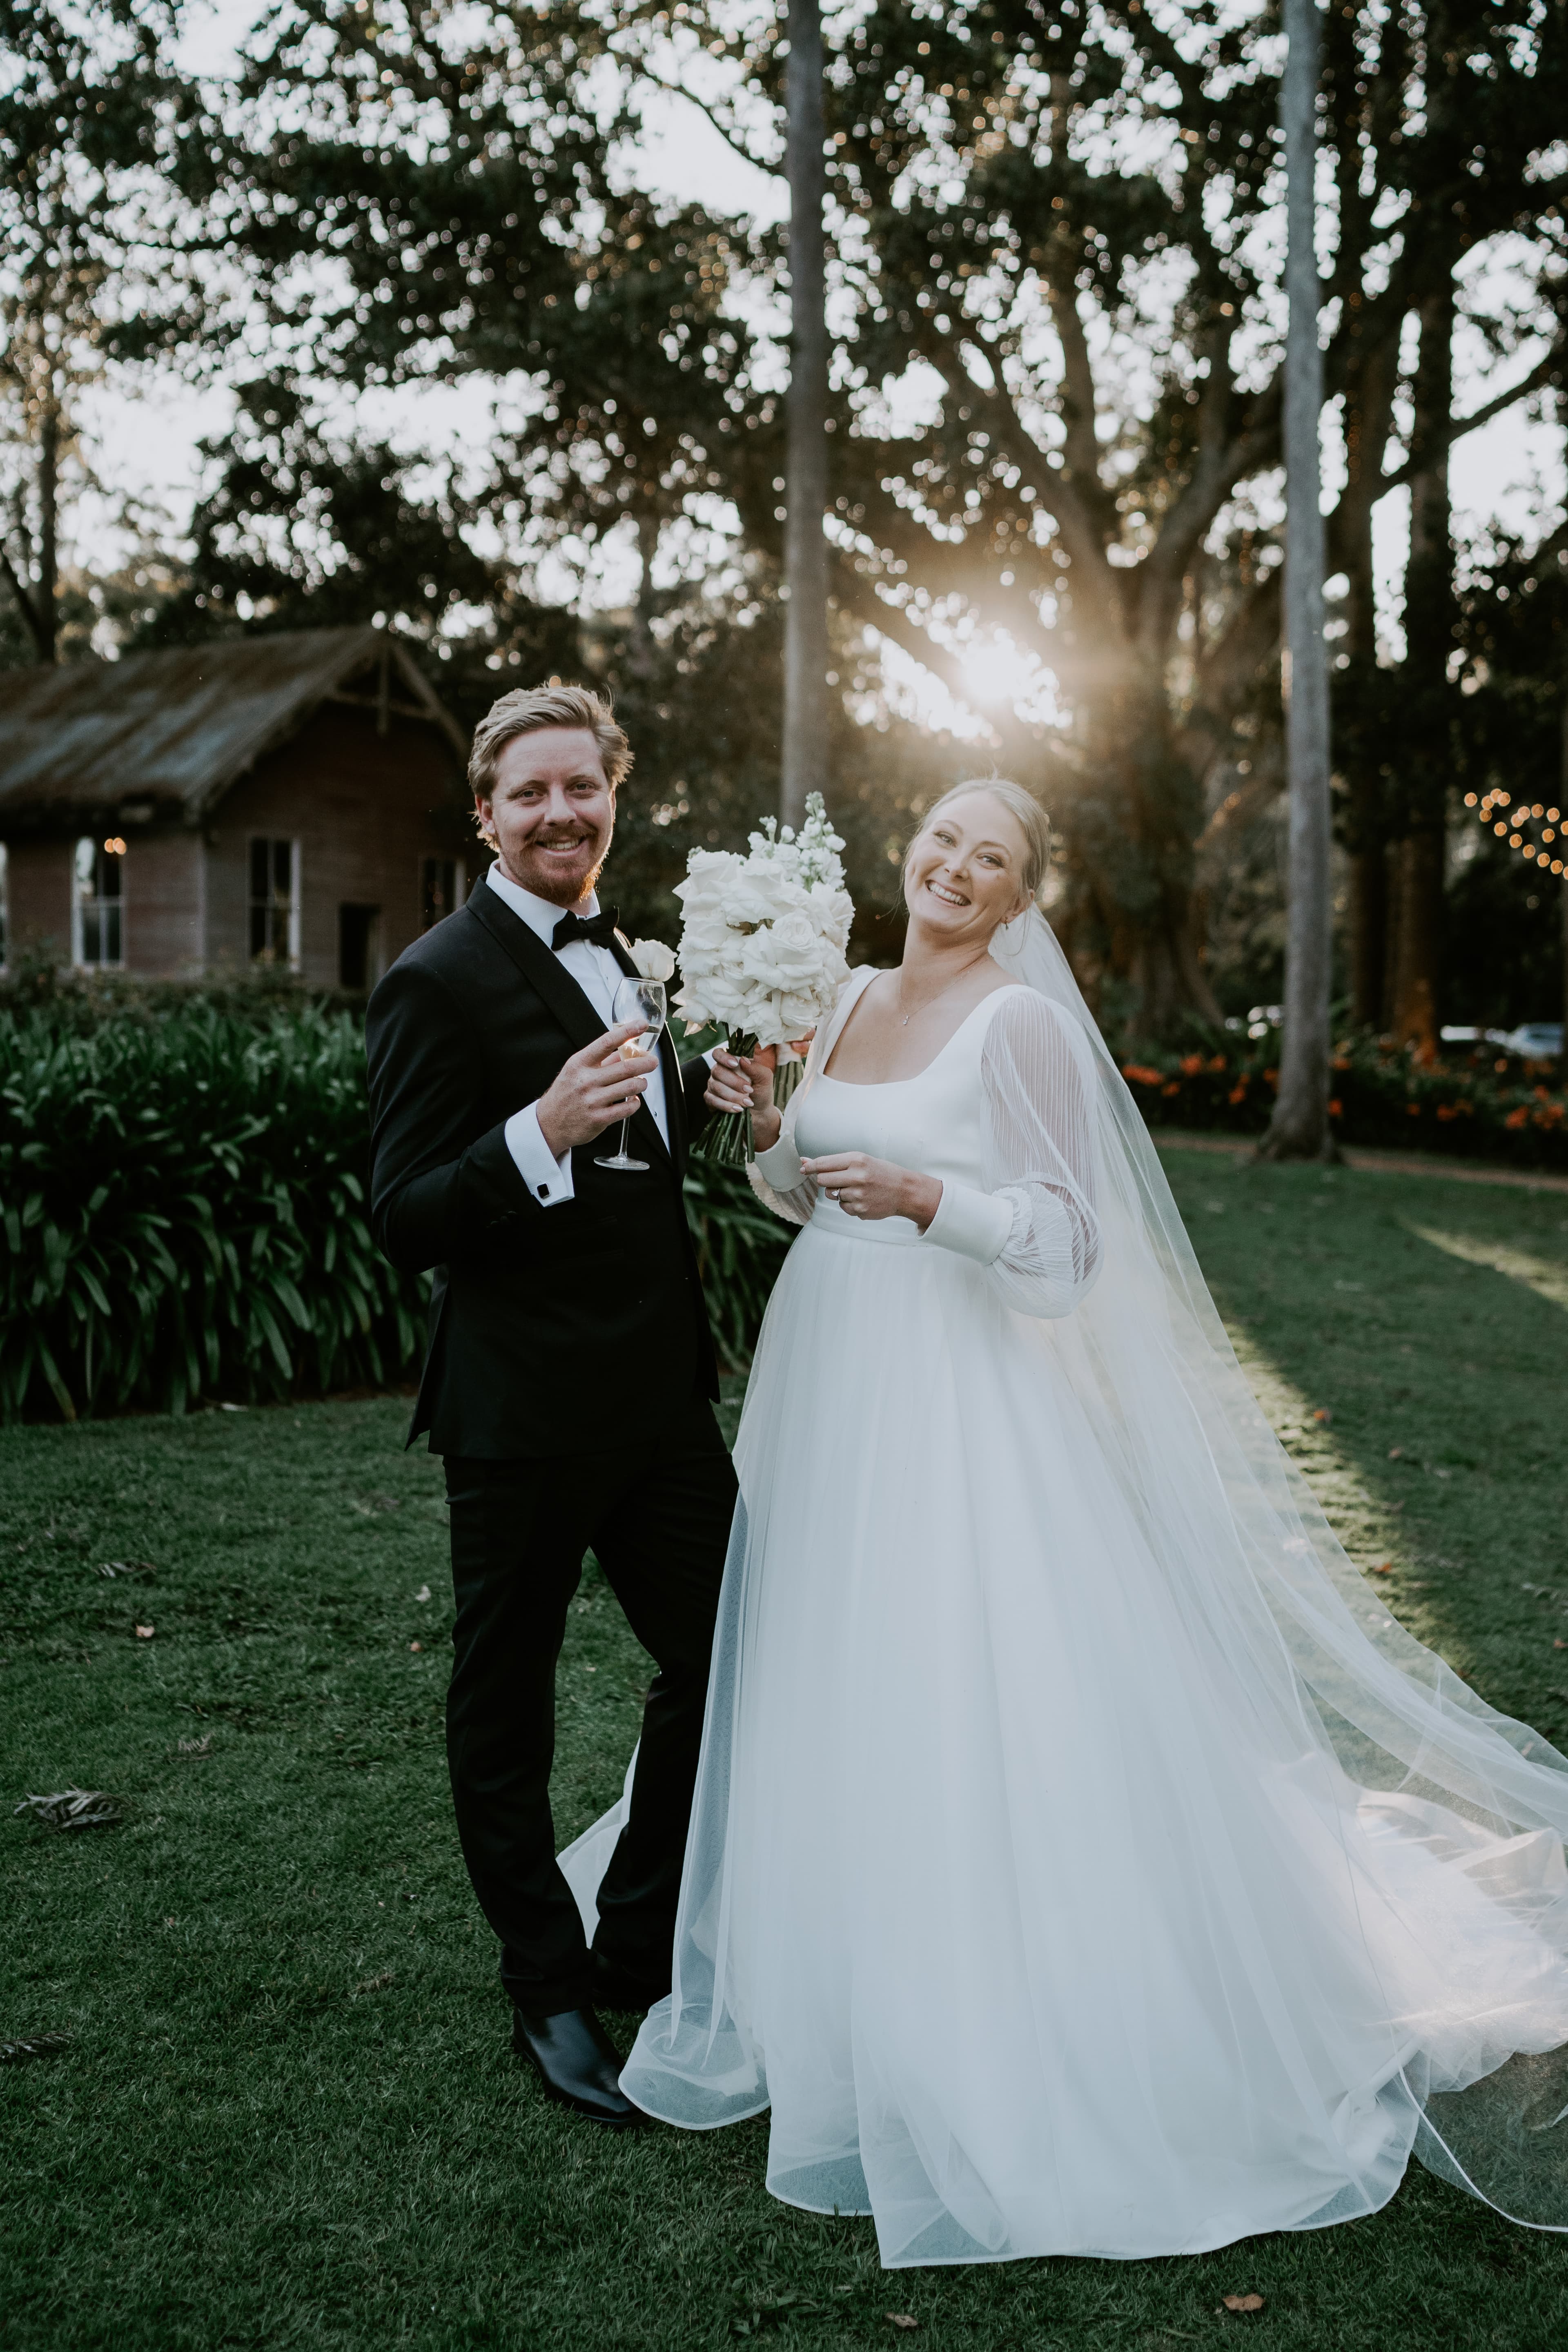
(653, 960)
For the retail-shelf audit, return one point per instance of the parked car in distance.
(1542, 1041)
(1537, 1041)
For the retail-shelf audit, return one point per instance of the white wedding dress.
(1083, 1861)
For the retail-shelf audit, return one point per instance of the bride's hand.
(734, 1084)
(870, 1188)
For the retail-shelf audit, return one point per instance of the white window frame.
(101, 903)
(271, 841)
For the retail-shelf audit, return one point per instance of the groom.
(569, 1367)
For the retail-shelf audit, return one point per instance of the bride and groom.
(1035, 1810)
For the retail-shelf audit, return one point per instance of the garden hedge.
(1480, 1104)
(183, 1201)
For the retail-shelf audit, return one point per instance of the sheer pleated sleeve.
(1034, 1227)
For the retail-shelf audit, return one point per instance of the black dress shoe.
(576, 2059)
(614, 1987)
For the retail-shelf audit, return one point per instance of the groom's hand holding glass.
(595, 1090)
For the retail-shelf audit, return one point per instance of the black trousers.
(658, 1523)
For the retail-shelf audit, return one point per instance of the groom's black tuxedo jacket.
(535, 1311)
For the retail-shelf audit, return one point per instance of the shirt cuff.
(975, 1224)
(780, 1165)
(548, 1179)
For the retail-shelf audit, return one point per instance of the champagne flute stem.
(622, 1149)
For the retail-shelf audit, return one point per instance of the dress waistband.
(896, 1233)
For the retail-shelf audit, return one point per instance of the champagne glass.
(636, 1000)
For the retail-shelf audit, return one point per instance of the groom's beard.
(555, 888)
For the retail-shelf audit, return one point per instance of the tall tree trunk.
(48, 525)
(1428, 640)
(1300, 1127)
(644, 651)
(805, 766)
(1371, 373)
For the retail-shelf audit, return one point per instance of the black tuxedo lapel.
(540, 966)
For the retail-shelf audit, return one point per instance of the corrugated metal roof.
(177, 728)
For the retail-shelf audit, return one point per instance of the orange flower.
(1238, 1092)
(1173, 1087)
(1142, 1075)
(1412, 1110)
(1516, 1118)
(1446, 1111)
(1217, 1062)
(1336, 1107)
(1341, 1062)
(1190, 1064)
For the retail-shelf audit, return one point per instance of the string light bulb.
(1508, 817)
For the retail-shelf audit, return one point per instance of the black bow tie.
(599, 929)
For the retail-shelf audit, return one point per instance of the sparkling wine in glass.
(636, 1000)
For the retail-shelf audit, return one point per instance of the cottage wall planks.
(344, 753)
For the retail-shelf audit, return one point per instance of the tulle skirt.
(1040, 1927)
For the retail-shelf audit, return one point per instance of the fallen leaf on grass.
(1383, 1568)
(73, 1808)
(1244, 2302)
(32, 2045)
(417, 1645)
(202, 1747)
(373, 1984)
(1324, 1413)
(1396, 1452)
(142, 1570)
(145, 1632)
(901, 2318)
(423, 1593)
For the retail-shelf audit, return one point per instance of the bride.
(1082, 1859)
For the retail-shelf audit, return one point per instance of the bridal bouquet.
(761, 946)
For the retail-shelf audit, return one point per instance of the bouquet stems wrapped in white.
(762, 945)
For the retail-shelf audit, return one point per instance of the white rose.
(834, 911)
(652, 959)
(785, 953)
(705, 931)
(760, 894)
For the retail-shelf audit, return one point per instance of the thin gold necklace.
(942, 991)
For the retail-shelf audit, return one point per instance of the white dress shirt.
(599, 975)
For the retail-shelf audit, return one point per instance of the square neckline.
(867, 1086)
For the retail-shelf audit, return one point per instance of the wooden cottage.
(294, 800)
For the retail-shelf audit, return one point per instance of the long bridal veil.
(1457, 1813)
(1238, 1527)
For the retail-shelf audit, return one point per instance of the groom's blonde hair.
(1032, 822)
(531, 707)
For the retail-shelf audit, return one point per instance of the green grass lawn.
(287, 2115)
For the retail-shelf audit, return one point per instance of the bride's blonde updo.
(1033, 823)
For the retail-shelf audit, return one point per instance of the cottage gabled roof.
(175, 730)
